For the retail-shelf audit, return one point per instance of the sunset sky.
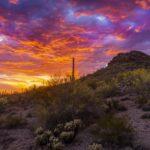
(38, 38)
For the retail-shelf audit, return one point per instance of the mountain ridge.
(123, 62)
(130, 57)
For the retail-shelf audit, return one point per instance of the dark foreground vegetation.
(61, 111)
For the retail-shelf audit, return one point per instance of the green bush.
(114, 130)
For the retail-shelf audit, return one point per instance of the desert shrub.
(92, 83)
(50, 116)
(67, 136)
(104, 107)
(121, 107)
(145, 116)
(95, 146)
(65, 101)
(141, 99)
(89, 113)
(107, 89)
(112, 105)
(115, 105)
(81, 95)
(59, 116)
(3, 102)
(114, 130)
(135, 81)
(13, 121)
(2, 107)
(43, 114)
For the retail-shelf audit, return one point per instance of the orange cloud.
(120, 37)
(145, 4)
(113, 52)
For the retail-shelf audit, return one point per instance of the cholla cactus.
(55, 140)
(67, 137)
(41, 139)
(69, 126)
(57, 144)
(77, 123)
(60, 126)
(49, 146)
(39, 131)
(95, 146)
(58, 129)
(48, 133)
(52, 138)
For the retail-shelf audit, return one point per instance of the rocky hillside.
(123, 62)
(134, 57)
(107, 110)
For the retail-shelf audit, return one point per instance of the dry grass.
(12, 121)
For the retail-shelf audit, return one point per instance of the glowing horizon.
(38, 38)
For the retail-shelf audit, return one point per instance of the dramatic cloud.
(38, 38)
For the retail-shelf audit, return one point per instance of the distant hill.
(133, 57)
(123, 62)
